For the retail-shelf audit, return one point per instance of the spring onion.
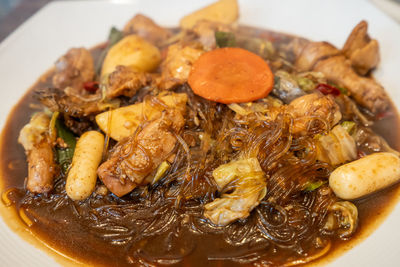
(65, 154)
(114, 36)
(311, 186)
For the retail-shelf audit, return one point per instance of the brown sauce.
(72, 238)
(63, 232)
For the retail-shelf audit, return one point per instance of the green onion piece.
(225, 39)
(114, 37)
(349, 126)
(311, 186)
(64, 155)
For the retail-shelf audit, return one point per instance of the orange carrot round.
(231, 75)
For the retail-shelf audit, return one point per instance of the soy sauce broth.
(63, 231)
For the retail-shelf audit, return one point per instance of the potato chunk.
(134, 52)
(123, 122)
(223, 11)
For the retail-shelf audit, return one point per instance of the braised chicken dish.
(212, 143)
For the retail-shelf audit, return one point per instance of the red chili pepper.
(91, 86)
(327, 89)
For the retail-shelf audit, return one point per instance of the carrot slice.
(231, 75)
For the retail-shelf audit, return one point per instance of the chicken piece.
(362, 51)
(69, 102)
(249, 188)
(125, 81)
(363, 55)
(35, 139)
(350, 111)
(147, 29)
(366, 91)
(108, 173)
(74, 69)
(135, 157)
(312, 105)
(178, 64)
(370, 142)
(296, 46)
(312, 53)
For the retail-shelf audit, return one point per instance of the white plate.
(34, 46)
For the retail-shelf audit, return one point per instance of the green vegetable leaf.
(225, 39)
(311, 186)
(114, 37)
(65, 154)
